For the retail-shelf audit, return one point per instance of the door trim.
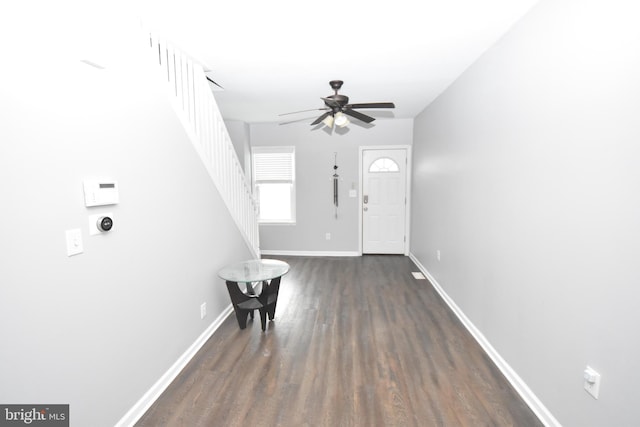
(407, 219)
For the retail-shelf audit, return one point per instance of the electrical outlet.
(327, 236)
(591, 382)
(203, 310)
(438, 254)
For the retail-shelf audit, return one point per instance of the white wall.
(315, 150)
(526, 179)
(98, 329)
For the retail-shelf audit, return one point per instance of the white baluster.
(199, 113)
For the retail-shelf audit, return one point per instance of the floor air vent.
(418, 276)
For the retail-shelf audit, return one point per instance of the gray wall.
(97, 330)
(314, 192)
(526, 179)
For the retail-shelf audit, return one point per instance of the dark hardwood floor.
(355, 342)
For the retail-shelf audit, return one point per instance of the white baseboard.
(145, 402)
(311, 253)
(518, 384)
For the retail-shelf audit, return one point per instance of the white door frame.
(407, 220)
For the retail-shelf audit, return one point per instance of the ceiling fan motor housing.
(339, 101)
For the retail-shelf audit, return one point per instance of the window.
(274, 183)
(384, 164)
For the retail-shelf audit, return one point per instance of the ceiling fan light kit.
(337, 108)
(341, 120)
(328, 121)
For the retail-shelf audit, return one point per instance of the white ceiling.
(278, 56)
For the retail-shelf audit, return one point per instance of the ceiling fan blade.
(298, 120)
(357, 115)
(321, 118)
(303, 111)
(372, 105)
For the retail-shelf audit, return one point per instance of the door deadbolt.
(365, 199)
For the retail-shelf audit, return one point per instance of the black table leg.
(244, 304)
(241, 303)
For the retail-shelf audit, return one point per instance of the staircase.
(196, 107)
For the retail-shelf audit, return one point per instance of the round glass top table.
(255, 270)
(262, 283)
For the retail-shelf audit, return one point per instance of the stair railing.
(198, 111)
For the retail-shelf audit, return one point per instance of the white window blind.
(273, 166)
(274, 183)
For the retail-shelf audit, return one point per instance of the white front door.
(384, 184)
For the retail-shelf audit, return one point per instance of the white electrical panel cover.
(100, 192)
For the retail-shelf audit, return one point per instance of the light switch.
(74, 242)
(591, 382)
(353, 193)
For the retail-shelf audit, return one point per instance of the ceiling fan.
(337, 107)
